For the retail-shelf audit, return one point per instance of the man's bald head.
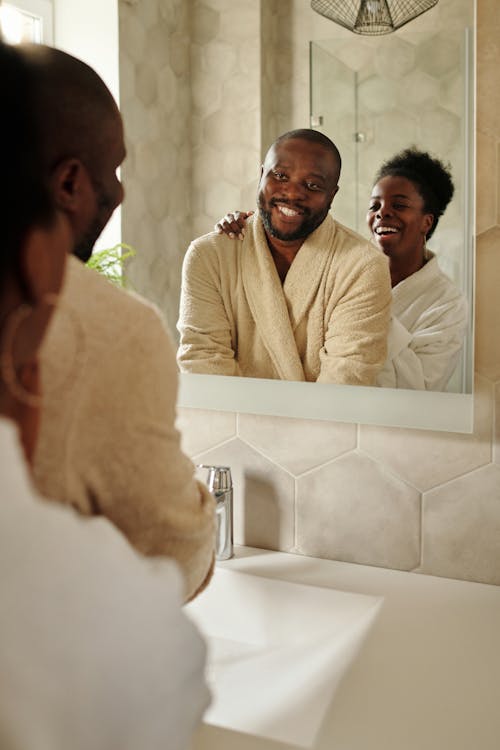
(82, 140)
(75, 104)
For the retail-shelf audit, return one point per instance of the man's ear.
(69, 181)
(334, 193)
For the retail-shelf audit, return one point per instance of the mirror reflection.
(303, 298)
(372, 97)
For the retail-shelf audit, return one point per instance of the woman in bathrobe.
(429, 313)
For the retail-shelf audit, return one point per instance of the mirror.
(232, 102)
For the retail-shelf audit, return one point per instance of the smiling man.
(301, 297)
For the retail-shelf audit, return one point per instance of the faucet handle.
(218, 478)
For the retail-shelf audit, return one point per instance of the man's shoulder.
(107, 315)
(88, 289)
(348, 240)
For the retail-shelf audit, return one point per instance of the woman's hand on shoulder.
(233, 224)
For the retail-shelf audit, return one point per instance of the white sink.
(277, 651)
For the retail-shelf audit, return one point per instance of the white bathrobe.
(95, 650)
(427, 331)
(327, 322)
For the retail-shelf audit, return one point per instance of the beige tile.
(426, 459)
(461, 528)
(487, 340)
(203, 429)
(206, 24)
(496, 444)
(297, 444)
(488, 54)
(486, 175)
(263, 496)
(498, 181)
(354, 510)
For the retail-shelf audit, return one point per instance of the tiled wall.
(155, 98)
(406, 499)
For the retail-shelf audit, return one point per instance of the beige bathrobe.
(108, 444)
(327, 322)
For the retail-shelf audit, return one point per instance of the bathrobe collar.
(278, 310)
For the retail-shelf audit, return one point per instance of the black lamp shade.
(372, 16)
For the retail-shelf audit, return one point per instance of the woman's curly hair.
(431, 178)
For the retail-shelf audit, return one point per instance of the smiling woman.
(429, 315)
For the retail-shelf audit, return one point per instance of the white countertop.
(428, 675)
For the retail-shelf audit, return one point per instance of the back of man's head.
(82, 139)
(74, 104)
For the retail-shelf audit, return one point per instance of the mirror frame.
(388, 407)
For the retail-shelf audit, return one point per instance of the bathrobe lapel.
(267, 303)
(307, 270)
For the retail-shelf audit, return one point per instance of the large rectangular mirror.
(372, 96)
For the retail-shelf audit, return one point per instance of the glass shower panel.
(333, 112)
(406, 90)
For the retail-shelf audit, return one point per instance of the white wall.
(89, 30)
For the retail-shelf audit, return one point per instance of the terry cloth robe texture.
(328, 322)
(427, 330)
(107, 444)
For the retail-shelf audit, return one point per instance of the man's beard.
(84, 246)
(310, 223)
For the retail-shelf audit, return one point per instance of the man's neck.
(283, 253)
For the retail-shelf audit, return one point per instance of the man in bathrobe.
(108, 445)
(301, 297)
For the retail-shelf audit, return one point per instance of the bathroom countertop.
(427, 676)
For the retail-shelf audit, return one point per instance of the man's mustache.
(297, 206)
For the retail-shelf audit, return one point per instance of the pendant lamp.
(372, 16)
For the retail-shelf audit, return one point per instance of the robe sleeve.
(425, 358)
(143, 482)
(355, 345)
(206, 344)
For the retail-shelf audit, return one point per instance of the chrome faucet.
(220, 485)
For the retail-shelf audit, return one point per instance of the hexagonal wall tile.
(487, 343)
(395, 130)
(498, 182)
(394, 58)
(486, 180)
(377, 94)
(461, 528)
(418, 89)
(220, 129)
(488, 52)
(297, 444)
(220, 198)
(355, 53)
(263, 496)
(205, 24)
(496, 445)
(354, 510)
(440, 129)
(203, 429)
(439, 55)
(427, 459)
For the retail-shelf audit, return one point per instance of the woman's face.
(397, 220)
